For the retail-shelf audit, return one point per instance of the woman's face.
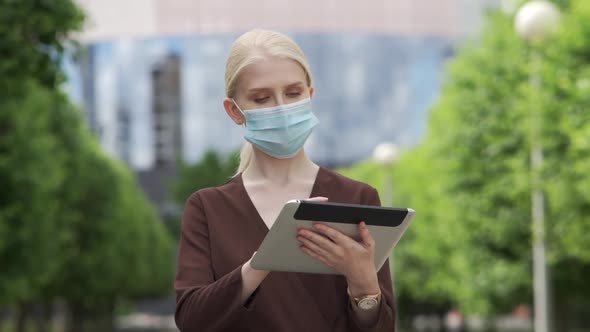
(268, 83)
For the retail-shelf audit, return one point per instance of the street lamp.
(534, 22)
(385, 154)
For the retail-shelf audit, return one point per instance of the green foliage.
(469, 181)
(73, 222)
(212, 170)
(479, 134)
(565, 102)
(114, 228)
(146, 262)
(425, 260)
(34, 35)
(30, 178)
(69, 213)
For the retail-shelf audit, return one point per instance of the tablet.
(280, 250)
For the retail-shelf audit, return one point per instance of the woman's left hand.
(354, 259)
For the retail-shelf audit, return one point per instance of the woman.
(269, 90)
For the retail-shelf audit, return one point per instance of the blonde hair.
(251, 47)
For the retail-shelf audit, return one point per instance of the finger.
(332, 233)
(315, 247)
(317, 199)
(313, 254)
(366, 236)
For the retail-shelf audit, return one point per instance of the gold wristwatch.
(366, 302)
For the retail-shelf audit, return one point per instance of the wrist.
(368, 285)
(355, 300)
(247, 269)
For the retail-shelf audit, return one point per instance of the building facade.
(152, 83)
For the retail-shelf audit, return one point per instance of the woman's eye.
(260, 100)
(294, 94)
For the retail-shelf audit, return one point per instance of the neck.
(266, 168)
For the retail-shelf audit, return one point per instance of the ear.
(233, 112)
(311, 90)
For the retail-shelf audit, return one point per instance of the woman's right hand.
(251, 278)
(248, 266)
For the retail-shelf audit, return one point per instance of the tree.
(30, 177)
(212, 170)
(485, 159)
(424, 262)
(74, 224)
(469, 180)
(115, 230)
(34, 36)
(565, 101)
(480, 125)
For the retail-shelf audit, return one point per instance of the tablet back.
(280, 249)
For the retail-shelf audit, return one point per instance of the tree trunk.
(43, 320)
(3, 314)
(110, 317)
(562, 317)
(102, 319)
(76, 319)
(23, 312)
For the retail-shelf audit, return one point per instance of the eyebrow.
(292, 85)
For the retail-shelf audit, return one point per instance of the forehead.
(271, 73)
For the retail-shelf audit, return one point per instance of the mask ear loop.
(239, 109)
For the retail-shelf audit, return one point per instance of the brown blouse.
(221, 229)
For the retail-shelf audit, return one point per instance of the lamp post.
(534, 22)
(385, 154)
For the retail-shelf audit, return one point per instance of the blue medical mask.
(280, 131)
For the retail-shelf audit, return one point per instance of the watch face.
(367, 304)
